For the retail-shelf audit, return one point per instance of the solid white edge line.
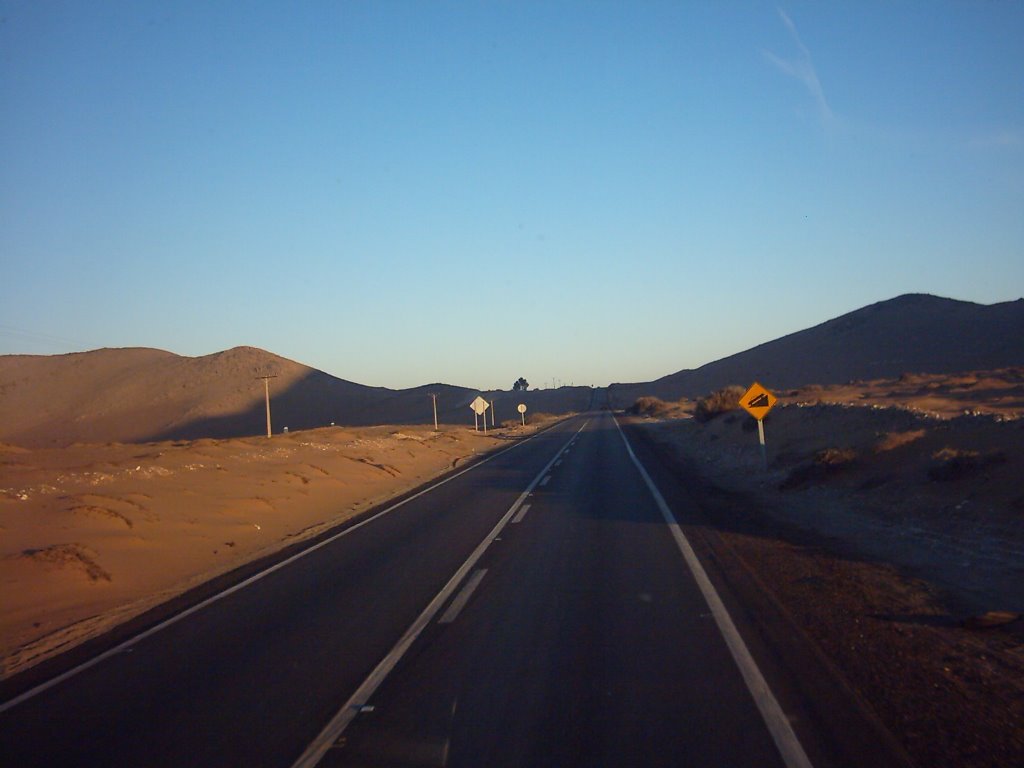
(55, 681)
(775, 719)
(456, 605)
(332, 731)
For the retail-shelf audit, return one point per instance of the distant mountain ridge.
(913, 333)
(140, 394)
(145, 395)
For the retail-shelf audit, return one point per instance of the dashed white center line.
(546, 480)
(332, 731)
(127, 645)
(521, 513)
(463, 597)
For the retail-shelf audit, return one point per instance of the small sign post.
(479, 407)
(757, 401)
(522, 412)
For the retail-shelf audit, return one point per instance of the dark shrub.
(824, 464)
(722, 401)
(649, 406)
(952, 464)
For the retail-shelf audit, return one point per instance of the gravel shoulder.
(894, 544)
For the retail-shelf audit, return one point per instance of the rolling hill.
(137, 395)
(143, 395)
(914, 333)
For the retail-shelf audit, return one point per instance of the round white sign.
(521, 408)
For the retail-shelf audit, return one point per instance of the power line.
(37, 337)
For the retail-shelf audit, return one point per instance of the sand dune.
(142, 395)
(135, 395)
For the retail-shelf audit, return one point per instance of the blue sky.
(404, 193)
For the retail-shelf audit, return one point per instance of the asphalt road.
(536, 610)
(586, 642)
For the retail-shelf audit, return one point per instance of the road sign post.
(479, 407)
(757, 401)
(522, 412)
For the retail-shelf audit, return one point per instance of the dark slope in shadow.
(914, 333)
(316, 400)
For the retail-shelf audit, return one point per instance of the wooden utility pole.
(266, 391)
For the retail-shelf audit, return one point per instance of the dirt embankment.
(893, 533)
(94, 535)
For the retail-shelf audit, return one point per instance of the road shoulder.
(948, 695)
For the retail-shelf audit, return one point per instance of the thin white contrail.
(802, 68)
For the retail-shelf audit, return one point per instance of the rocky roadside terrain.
(893, 538)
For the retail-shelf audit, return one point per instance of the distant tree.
(521, 385)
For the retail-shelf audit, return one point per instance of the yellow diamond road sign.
(758, 401)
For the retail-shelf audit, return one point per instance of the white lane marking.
(775, 719)
(128, 644)
(558, 463)
(332, 731)
(545, 481)
(463, 597)
(521, 514)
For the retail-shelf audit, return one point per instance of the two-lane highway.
(541, 608)
(585, 642)
(252, 678)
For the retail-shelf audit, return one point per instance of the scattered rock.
(69, 555)
(990, 619)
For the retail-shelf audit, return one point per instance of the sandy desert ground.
(929, 459)
(889, 525)
(93, 535)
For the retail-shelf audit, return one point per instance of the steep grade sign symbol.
(761, 401)
(758, 401)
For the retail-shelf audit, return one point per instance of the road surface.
(537, 609)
